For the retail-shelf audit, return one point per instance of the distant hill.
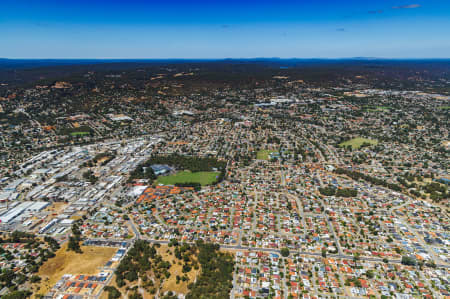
(15, 64)
(382, 73)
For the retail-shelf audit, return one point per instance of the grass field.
(356, 143)
(264, 154)
(202, 177)
(79, 133)
(377, 108)
(445, 107)
(76, 131)
(69, 262)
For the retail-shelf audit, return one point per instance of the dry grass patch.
(170, 284)
(123, 290)
(56, 207)
(69, 262)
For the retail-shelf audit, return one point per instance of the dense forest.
(216, 277)
(332, 191)
(239, 72)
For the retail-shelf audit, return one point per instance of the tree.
(17, 295)
(89, 176)
(186, 268)
(431, 264)
(370, 274)
(74, 245)
(35, 279)
(327, 191)
(284, 252)
(409, 261)
(135, 296)
(74, 240)
(113, 293)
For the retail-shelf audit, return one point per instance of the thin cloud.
(41, 24)
(340, 29)
(407, 6)
(381, 11)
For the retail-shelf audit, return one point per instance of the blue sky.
(224, 29)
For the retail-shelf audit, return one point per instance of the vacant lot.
(356, 143)
(202, 177)
(69, 262)
(57, 207)
(264, 154)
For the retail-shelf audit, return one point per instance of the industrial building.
(20, 209)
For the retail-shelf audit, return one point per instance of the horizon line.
(243, 58)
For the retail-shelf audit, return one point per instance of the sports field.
(79, 133)
(202, 177)
(377, 108)
(356, 143)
